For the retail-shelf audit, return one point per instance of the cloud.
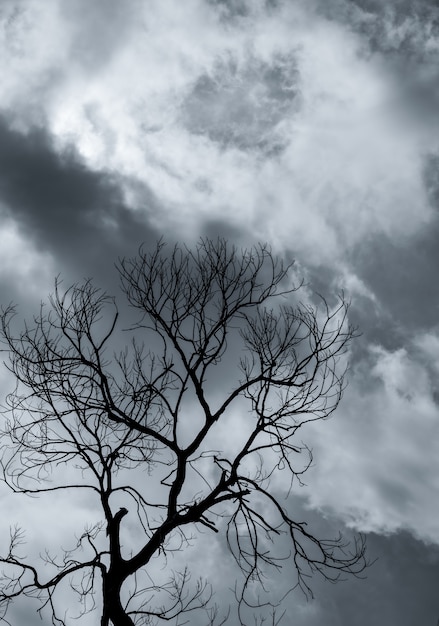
(258, 116)
(308, 124)
(267, 118)
(53, 204)
(376, 462)
(244, 106)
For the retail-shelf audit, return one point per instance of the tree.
(154, 410)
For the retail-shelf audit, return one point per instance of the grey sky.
(309, 124)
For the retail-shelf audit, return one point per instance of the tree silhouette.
(220, 338)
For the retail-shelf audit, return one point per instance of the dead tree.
(218, 332)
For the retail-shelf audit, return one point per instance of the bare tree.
(225, 336)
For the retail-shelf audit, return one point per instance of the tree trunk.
(113, 611)
(112, 580)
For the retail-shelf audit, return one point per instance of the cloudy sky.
(310, 124)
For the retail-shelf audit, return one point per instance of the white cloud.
(428, 344)
(377, 460)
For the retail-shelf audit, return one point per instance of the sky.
(312, 125)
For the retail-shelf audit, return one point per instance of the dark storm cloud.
(400, 588)
(76, 215)
(215, 228)
(403, 275)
